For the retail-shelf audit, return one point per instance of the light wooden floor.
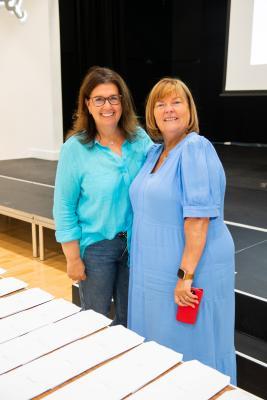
(16, 258)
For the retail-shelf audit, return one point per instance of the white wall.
(30, 82)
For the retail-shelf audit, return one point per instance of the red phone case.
(188, 314)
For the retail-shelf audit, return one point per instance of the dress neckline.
(171, 152)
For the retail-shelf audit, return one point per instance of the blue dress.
(190, 183)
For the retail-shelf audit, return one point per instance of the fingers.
(186, 299)
(76, 270)
(83, 277)
(77, 276)
(183, 302)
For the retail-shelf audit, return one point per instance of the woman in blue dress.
(178, 199)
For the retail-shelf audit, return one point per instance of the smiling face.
(172, 115)
(107, 115)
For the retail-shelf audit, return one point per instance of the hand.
(76, 270)
(183, 295)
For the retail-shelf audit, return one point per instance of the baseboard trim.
(43, 154)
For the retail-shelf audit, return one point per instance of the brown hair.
(84, 122)
(165, 87)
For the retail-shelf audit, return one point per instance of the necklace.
(109, 143)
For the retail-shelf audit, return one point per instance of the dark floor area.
(246, 167)
(246, 206)
(246, 174)
(251, 260)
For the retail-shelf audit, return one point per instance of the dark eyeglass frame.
(109, 99)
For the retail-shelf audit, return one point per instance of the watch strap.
(182, 274)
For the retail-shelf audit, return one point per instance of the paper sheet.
(78, 390)
(122, 376)
(28, 347)
(192, 380)
(28, 320)
(22, 301)
(238, 394)
(55, 368)
(2, 270)
(9, 285)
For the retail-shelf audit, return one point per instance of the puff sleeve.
(66, 196)
(201, 179)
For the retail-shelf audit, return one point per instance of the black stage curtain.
(92, 33)
(100, 33)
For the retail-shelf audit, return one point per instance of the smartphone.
(188, 314)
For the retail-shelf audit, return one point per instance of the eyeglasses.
(99, 101)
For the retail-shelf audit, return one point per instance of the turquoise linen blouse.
(91, 199)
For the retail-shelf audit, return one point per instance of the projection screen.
(246, 51)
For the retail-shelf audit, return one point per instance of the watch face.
(181, 273)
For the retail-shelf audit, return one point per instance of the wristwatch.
(184, 275)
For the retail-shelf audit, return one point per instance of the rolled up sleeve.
(66, 197)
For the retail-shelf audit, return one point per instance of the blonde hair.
(84, 122)
(166, 87)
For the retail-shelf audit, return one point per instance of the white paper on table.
(191, 380)
(238, 394)
(9, 285)
(79, 389)
(122, 376)
(17, 351)
(26, 386)
(71, 329)
(55, 368)
(97, 392)
(28, 347)
(86, 353)
(2, 270)
(28, 320)
(22, 301)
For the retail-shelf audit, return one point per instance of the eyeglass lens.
(100, 100)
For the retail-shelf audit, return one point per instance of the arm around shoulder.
(146, 140)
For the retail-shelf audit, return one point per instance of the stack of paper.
(26, 348)
(238, 394)
(21, 301)
(9, 285)
(121, 376)
(192, 380)
(2, 270)
(26, 321)
(49, 371)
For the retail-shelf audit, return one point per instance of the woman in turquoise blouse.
(92, 211)
(178, 199)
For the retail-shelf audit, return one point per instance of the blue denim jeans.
(106, 267)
